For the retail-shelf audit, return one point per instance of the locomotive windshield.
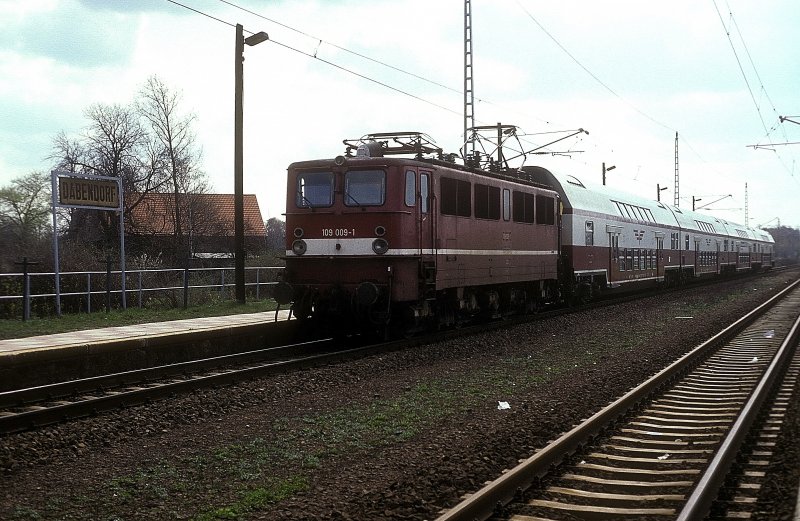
(314, 189)
(364, 187)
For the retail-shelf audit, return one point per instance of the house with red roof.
(206, 228)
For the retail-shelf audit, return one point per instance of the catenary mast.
(469, 95)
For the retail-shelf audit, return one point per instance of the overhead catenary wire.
(314, 56)
(320, 41)
(365, 77)
(739, 63)
(589, 72)
(767, 131)
(341, 48)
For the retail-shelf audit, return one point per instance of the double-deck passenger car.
(613, 239)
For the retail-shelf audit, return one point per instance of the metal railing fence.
(88, 291)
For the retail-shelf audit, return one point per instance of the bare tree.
(150, 146)
(114, 144)
(173, 132)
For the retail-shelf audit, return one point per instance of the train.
(396, 234)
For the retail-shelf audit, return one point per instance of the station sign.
(94, 193)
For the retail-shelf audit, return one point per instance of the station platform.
(42, 359)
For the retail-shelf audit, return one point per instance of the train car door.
(614, 259)
(659, 254)
(425, 215)
(425, 228)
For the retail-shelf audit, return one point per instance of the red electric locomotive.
(398, 233)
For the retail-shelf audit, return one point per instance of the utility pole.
(694, 201)
(238, 158)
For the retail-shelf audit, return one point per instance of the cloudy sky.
(632, 73)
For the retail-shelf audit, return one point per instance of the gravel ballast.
(396, 436)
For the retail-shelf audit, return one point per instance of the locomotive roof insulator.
(371, 149)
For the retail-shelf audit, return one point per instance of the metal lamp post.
(238, 176)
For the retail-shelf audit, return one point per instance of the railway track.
(24, 409)
(663, 450)
(30, 408)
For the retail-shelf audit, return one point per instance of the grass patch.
(256, 499)
(133, 315)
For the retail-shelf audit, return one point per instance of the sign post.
(89, 192)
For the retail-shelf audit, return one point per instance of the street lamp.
(238, 154)
(658, 192)
(709, 204)
(609, 169)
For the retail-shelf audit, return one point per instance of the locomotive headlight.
(299, 247)
(298, 232)
(380, 246)
(380, 231)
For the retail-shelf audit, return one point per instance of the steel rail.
(699, 503)
(141, 392)
(502, 490)
(20, 397)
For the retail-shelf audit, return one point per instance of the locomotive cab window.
(364, 187)
(411, 188)
(314, 189)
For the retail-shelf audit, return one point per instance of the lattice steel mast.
(746, 208)
(677, 183)
(469, 95)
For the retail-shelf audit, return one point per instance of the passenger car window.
(314, 189)
(364, 187)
